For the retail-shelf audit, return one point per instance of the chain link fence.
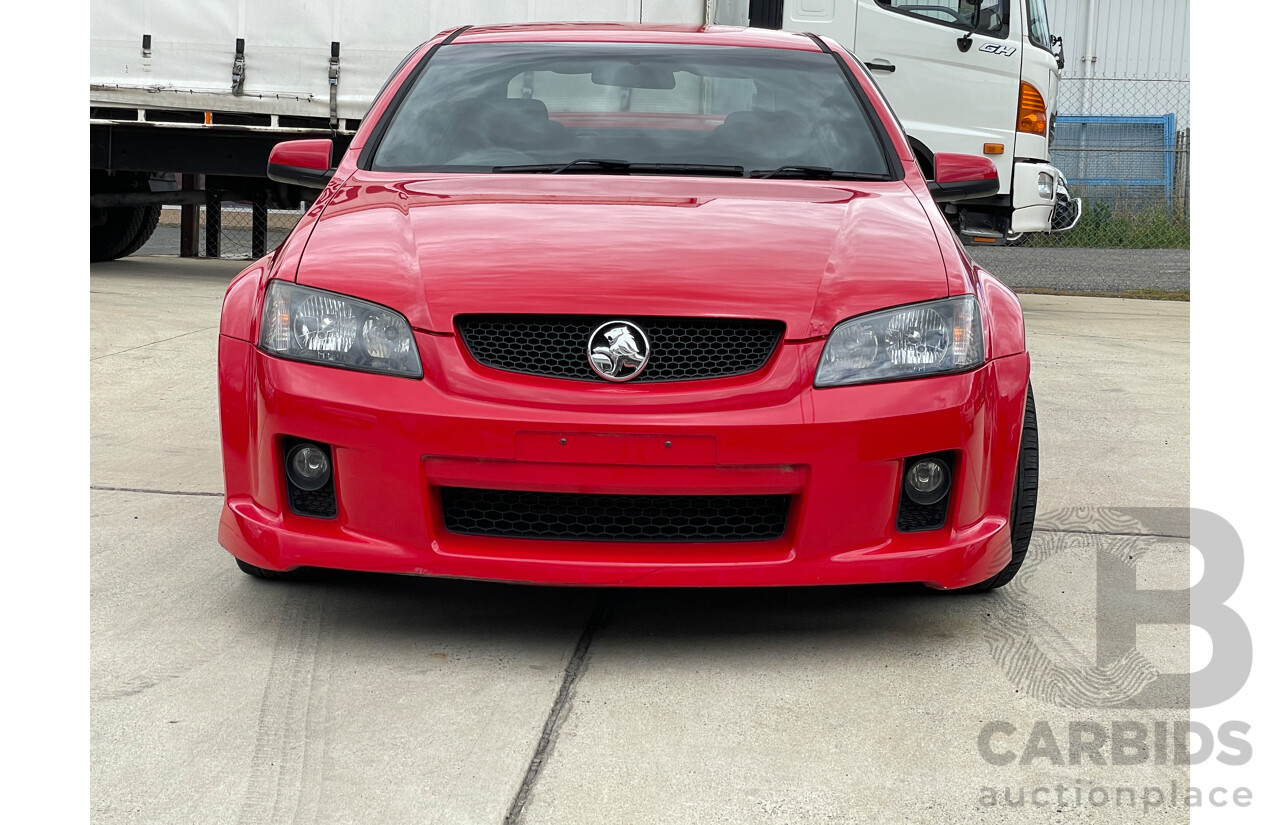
(236, 232)
(241, 230)
(1123, 145)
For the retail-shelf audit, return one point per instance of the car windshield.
(624, 108)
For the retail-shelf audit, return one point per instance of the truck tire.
(120, 230)
(123, 232)
(146, 228)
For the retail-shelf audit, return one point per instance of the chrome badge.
(618, 351)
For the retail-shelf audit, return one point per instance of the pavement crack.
(105, 489)
(1119, 338)
(559, 708)
(153, 343)
(1111, 533)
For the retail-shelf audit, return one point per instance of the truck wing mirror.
(960, 177)
(303, 163)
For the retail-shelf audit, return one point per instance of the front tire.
(260, 573)
(1022, 519)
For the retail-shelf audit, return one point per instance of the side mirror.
(960, 177)
(303, 163)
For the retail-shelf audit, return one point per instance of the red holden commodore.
(621, 305)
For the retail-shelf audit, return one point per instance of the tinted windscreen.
(477, 106)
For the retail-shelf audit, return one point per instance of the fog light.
(308, 467)
(928, 481)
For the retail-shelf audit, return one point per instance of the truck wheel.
(1023, 513)
(122, 232)
(116, 231)
(150, 219)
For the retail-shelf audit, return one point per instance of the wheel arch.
(1006, 329)
(240, 304)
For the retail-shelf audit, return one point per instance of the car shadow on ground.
(387, 607)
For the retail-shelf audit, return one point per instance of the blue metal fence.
(1112, 157)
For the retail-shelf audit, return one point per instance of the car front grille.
(681, 349)
(582, 517)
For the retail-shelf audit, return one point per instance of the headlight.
(1045, 184)
(923, 339)
(325, 328)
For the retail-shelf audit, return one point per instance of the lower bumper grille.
(573, 516)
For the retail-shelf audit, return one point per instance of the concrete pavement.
(345, 698)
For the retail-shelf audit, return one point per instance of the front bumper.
(1032, 210)
(837, 452)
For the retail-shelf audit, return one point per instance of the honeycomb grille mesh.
(681, 349)
(320, 503)
(916, 518)
(572, 516)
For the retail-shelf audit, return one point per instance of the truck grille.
(573, 516)
(681, 349)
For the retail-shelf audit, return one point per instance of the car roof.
(636, 33)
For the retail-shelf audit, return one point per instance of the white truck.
(968, 76)
(186, 102)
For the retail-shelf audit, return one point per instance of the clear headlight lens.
(1045, 184)
(311, 325)
(924, 339)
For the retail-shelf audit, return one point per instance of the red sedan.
(623, 305)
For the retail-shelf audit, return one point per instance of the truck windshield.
(625, 108)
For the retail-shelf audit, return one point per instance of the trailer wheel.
(122, 232)
(117, 231)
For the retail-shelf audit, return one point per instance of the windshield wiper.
(586, 164)
(611, 166)
(622, 167)
(816, 173)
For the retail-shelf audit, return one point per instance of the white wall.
(1143, 58)
(1135, 38)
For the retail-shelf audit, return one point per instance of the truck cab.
(968, 76)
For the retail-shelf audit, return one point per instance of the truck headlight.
(326, 328)
(1045, 183)
(932, 338)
